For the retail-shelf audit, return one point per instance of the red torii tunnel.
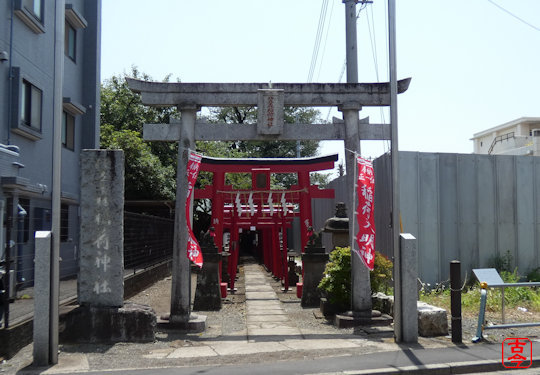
(269, 211)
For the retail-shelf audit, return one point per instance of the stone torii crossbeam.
(270, 100)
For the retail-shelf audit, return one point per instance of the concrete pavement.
(273, 344)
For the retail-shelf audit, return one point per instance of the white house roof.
(507, 125)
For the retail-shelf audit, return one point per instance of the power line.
(373, 40)
(317, 45)
(513, 15)
(344, 66)
(325, 41)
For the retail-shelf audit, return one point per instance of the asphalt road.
(338, 365)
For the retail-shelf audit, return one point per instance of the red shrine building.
(262, 211)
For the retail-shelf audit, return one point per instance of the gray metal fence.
(323, 209)
(463, 206)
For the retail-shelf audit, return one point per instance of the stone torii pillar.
(361, 289)
(181, 275)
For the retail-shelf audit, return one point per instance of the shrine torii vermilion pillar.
(190, 97)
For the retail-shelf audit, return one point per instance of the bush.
(534, 275)
(502, 263)
(336, 281)
(381, 276)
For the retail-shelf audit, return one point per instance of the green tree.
(149, 167)
(273, 149)
(145, 175)
(123, 109)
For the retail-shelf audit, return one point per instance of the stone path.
(265, 315)
(268, 329)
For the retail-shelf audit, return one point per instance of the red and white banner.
(365, 190)
(193, 248)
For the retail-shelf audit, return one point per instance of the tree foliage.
(145, 175)
(273, 149)
(149, 167)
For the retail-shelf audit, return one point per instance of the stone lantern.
(338, 226)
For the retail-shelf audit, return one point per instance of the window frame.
(19, 106)
(26, 11)
(68, 131)
(28, 115)
(30, 6)
(64, 223)
(70, 37)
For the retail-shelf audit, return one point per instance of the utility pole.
(360, 286)
(350, 41)
(56, 177)
(394, 157)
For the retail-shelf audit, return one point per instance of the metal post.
(502, 305)
(350, 40)
(455, 300)
(56, 175)
(395, 161)
(481, 314)
(21, 214)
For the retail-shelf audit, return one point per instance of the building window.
(42, 219)
(31, 14)
(26, 106)
(35, 7)
(31, 106)
(68, 131)
(64, 223)
(70, 41)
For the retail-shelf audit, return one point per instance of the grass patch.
(528, 298)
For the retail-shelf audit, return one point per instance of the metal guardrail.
(498, 139)
(490, 278)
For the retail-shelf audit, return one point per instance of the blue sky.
(473, 66)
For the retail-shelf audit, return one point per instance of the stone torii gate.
(270, 99)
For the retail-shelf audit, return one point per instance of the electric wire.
(325, 42)
(513, 15)
(373, 40)
(344, 66)
(318, 37)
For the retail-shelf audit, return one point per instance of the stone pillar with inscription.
(101, 275)
(102, 315)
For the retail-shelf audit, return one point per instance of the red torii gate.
(269, 210)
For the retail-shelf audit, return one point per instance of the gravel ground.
(231, 318)
(229, 323)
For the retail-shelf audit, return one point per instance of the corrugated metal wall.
(323, 209)
(463, 206)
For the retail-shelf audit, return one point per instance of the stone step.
(261, 296)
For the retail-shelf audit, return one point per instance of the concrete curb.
(441, 368)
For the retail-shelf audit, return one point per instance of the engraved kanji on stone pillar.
(101, 277)
(270, 115)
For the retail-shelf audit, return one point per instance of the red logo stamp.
(517, 352)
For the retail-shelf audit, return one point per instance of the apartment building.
(27, 75)
(517, 137)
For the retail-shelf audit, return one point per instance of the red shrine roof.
(274, 164)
